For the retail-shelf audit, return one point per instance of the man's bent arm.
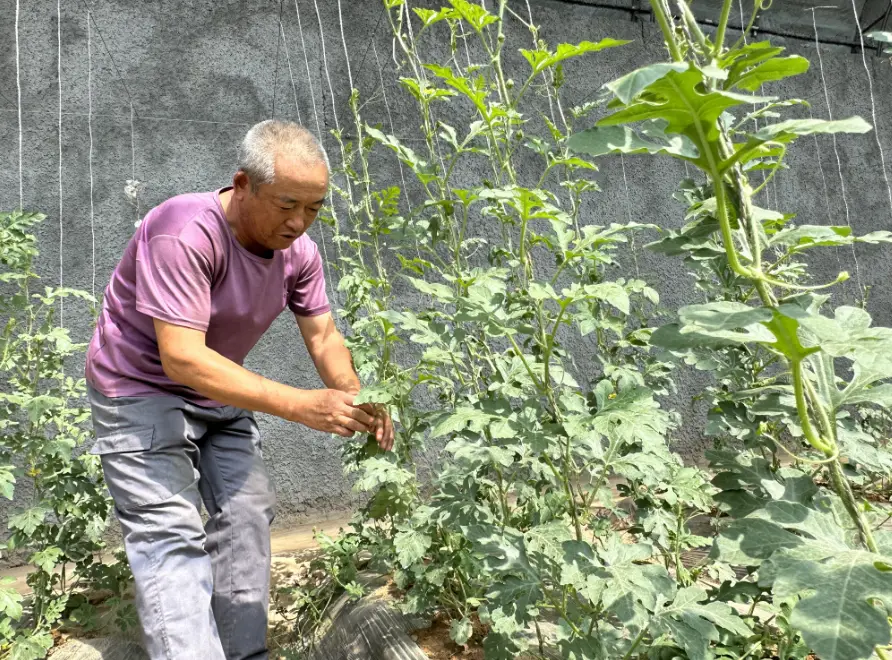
(328, 351)
(186, 359)
(335, 366)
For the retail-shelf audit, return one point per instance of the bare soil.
(435, 641)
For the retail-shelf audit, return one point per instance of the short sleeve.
(173, 282)
(308, 297)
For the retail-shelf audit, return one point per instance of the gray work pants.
(202, 591)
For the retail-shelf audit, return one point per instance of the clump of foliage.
(43, 425)
(794, 371)
(523, 526)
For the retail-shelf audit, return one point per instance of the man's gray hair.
(271, 138)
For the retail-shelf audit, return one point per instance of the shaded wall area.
(161, 92)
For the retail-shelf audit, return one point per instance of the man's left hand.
(382, 427)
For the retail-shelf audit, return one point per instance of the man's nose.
(295, 223)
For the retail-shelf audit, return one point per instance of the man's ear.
(241, 183)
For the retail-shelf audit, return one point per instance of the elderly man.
(199, 283)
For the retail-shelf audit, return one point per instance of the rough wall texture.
(174, 86)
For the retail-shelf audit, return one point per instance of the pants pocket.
(140, 471)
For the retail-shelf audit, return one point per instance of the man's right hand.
(332, 411)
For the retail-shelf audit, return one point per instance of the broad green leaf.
(379, 471)
(610, 292)
(429, 16)
(677, 98)
(632, 582)
(475, 14)
(649, 138)
(460, 631)
(849, 334)
(881, 395)
(770, 70)
(861, 449)
(7, 481)
(439, 291)
(693, 623)
(477, 454)
(28, 520)
(722, 315)
(548, 539)
(32, 647)
(582, 570)
(513, 602)
(726, 320)
(46, 559)
(410, 546)
(39, 405)
(632, 84)
(671, 338)
(786, 332)
(422, 169)
(542, 59)
(633, 416)
(459, 420)
(373, 394)
(785, 130)
(750, 55)
(837, 615)
(11, 603)
(750, 541)
(807, 236)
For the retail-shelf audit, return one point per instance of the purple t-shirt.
(185, 266)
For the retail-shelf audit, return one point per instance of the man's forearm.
(334, 364)
(220, 379)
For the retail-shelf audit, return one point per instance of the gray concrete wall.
(197, 73)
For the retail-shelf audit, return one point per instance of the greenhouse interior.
(593, 356)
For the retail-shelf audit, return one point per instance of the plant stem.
(635, 644)
(844, 490)
(802, 409)
(720, 31)
(660, 14)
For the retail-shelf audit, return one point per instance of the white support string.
(873, 107)
(136, 184)
(535, 46)
(390, 123)
(622, 163)
(464, 40)
(334, 108)
(303, 46)
(842, 181)
(290, 72)
(344, 43)
(821, 169)
(61, 228)
(18, 84)
(90, 133)
(424, 78)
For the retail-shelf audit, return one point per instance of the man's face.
(274, 215)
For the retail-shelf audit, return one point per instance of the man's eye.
(286, 208)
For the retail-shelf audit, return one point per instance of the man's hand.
(382, 427)
(332, 359)
(332, 411)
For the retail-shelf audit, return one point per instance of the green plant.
(561, 519)
(517, 527)
(791, 376)
(42, 427)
